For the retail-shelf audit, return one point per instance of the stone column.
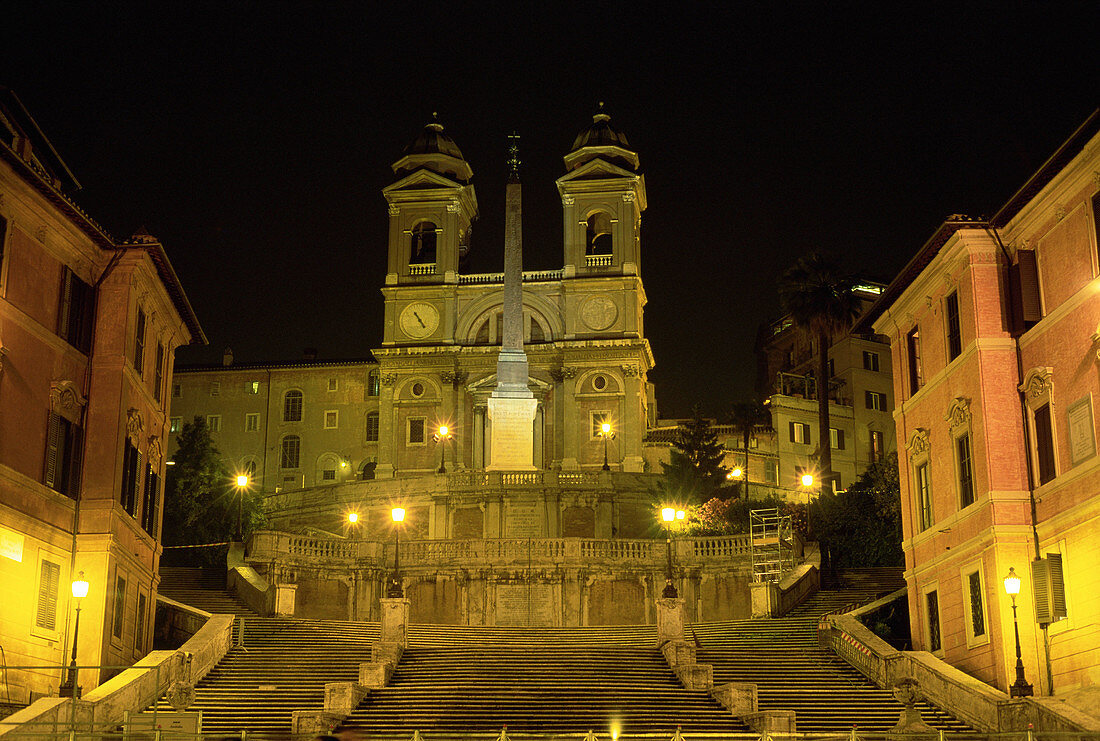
(385, 467)
(633, 425)
(570, 443)
(670, 619)
(395, 620)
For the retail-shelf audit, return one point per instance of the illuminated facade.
(993, 329)
(88, 326)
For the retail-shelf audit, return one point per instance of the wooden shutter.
(65, 305)
(792, 431)
(1049, 588)
(48, 581)
(51, 477)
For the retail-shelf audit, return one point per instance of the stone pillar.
(385, 467)
(633, 426)
(670, 619)
(395, 620)
(285, 596)
(570, 444)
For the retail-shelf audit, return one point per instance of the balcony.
(598, 261)
(425, 268)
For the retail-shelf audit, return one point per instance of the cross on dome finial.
(600, 115)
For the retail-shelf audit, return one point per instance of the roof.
(433, 140)
(49, 186)
(600, 134)
(1042, 177)
(274, 365)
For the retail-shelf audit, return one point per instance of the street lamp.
(606, 433)
(242, 484)
(441, 437)
(1019, 688)
(69, 687)
(670, 516)
(394, 591)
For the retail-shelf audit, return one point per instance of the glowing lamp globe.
(668, 514)
(605, 428)
(242, 481)
(1012, 582)
(80, 587)
(398, 514)
(353, 517)
(443, 430)
(807, 479)
(680, 514)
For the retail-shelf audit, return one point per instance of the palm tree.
(745, 415)
(818, 296)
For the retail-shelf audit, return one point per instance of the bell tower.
(432, 205)
(603, 196)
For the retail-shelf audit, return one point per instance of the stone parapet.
(309, 723)
(696, 676)
(741, 698)
(343, 697)
(678, 653)
(771, 722)
(375, 674)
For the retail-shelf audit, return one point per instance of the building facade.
(861, 425)
(583, 336)
(993, 330)
(88, 326)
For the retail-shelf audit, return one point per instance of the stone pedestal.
(670, 620)
(765, 599)
(740, 697)
(343, 697)
(780, 722)
(285, 596)
(512, 441)
(375, 674)
(395, 620)
(309, 723)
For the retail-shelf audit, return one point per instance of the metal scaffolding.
(772, 544)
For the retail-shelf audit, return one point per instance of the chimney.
(227, 356)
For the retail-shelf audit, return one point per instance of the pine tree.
(694, 472)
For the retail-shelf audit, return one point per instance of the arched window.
(372, 427)
(423, 244)
(291, 452)
(373, 385)
(292, 406)
(366, 471)
(482, 336)
(598, 235)
(250, 469)
(537, 335)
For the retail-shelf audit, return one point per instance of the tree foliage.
(862, 526)
(200, 504)
(818, 296)
(694, 472)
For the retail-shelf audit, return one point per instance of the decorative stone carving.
(181, 695)
(455, 378)
(628, 198)
(153, 452)
(1036, 382)
(630, 370)
(387, 379)
(65, 400)
(394, 209)
(1060, 212)
(135, 425)
(958, 413)
(599, 312)
(453, 207)
(907, 692)
(40, 233)
(918, 442)
(1095, 180)
(568, 200)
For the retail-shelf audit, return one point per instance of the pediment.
(420, 180)
(597, 169)
(489, 382)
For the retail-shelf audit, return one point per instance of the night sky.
(254, 139)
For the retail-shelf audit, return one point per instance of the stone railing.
(512, 480)
(426, 268)
(529, 276)
(268, 546)
(984, 707)
(598, 261)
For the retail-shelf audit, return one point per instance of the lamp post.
(441, 437)
(242, 484)
(394, 590)
(606, 433)
(69, 687)
(670, 516)
(1019, 688)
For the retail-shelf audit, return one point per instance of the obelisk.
(512, 406)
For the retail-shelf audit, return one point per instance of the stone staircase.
(200, 588)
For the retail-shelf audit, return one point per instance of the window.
(139, 638)
(870, 361)
(916, 373)
(332, 384)
(291, 450)
(49, 582)
(423, 244)
(215, 388)
(328, 474)
(372, 427)
(598, 234)
(836, 438)
(1023, 278)
(331, 418)
(250, 470)
(158, 372)
(131, 469)
(924, 496)
(1044, 443)
(252, 422)
(74, 322)
(966, 475)
(373, 385)
(799, 432)
(177, 390)
(416, 431)
(418, 389)
(954, 331)
(175, 424)
(876, 445)
(252, 387)
(598, 420)
(973, 586)
(214, 422)
(599, 383)
(771, 472)
(150, 502)
(875, 400)
(63, 456)
(120, 607)
(932, 610)
(292, 407)
(139, 342)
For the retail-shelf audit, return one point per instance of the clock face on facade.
(419, 320)
(599, 312)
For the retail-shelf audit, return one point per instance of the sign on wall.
(1082, 440)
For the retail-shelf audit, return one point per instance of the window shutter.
(46, 614)
(792, 430)
(1029, 286)
(76, 460)
(65, 306)
(53, 452)
(1049, 587)
(840, 439)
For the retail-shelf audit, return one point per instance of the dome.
(432, 140)
(600, 134)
